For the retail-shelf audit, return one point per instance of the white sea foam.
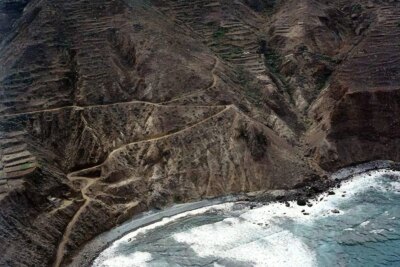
(377, 231)
(241, 240)
(348, 189)
(131, 236)
(395, 186)
(113, 252)
(363, 224)
(136, 259)
(255, 236)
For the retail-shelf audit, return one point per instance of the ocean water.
(365, 232)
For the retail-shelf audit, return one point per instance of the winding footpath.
(71, 224)
(77, 175)
(212, 85)
(89, 181)
(77, 107)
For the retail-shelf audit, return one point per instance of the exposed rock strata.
(109, 108)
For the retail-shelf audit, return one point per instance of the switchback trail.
(71, 224)
(77, 175)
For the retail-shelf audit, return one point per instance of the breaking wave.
(356, 225)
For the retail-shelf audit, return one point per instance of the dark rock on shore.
(335, 211)
(109, 108)
(301, 202)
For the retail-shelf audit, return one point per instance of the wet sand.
(93, 248)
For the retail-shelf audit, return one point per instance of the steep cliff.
(111, 107)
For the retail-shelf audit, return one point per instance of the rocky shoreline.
(92, 249)
(311, 189)
(143, 104)
(302, 195)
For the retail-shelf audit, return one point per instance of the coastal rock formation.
(112, 107)
(354, 117)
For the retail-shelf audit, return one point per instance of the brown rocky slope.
(110, 107)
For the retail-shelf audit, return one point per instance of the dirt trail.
(77, 107)
(68, 230)
(89, 181)
(102, 106)
(81, 172)
(213, 84)
(171, 134)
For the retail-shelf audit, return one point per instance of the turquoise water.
(365, 232)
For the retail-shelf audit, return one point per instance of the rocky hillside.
(112, 107)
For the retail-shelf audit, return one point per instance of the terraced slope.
(310, 38)
(16, 161)
(230, 29)
(355, 116)
(110, 107)
(374, 63)
(182, 166)
(79, 54)
(109, 110)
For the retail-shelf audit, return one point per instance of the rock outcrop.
(355, 116)
(111, 107)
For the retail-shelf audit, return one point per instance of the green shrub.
(220, 32)
(237, 50)
(273, 60)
